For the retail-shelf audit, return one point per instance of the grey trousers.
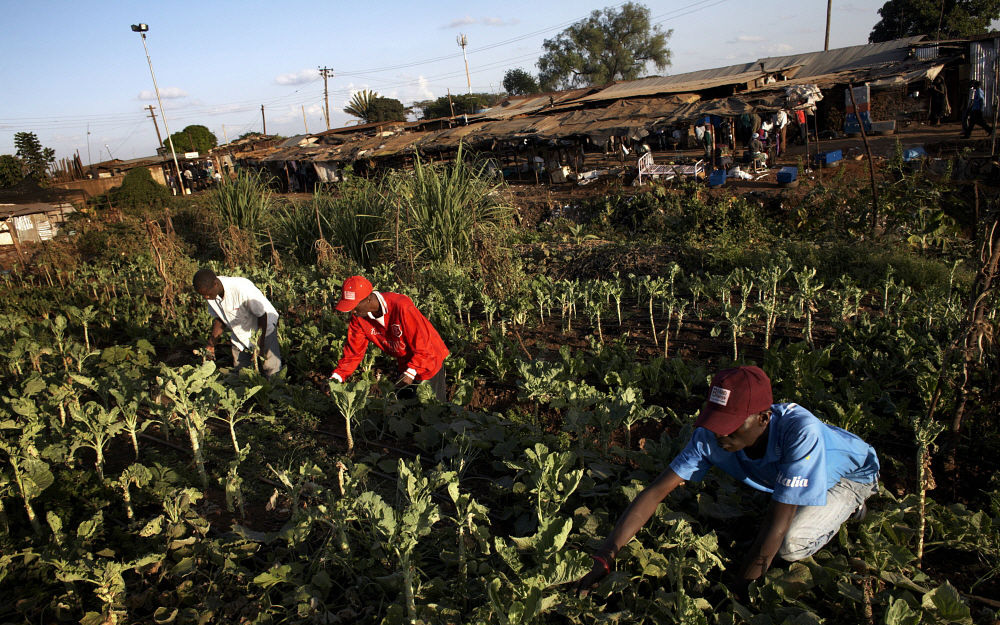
(814, 526)
(271, 356)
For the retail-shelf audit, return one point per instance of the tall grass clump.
(355, 220)
(351, 220)
(245, 201)
(449, 210)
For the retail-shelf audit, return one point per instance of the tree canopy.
(950, 18)
(34, 158)
(370, 107)
(11, 170)
(139, 192)
(519, 82)
(611, 44)
(464, 103)
(195, 138)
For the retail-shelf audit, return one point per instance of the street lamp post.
(141, 29)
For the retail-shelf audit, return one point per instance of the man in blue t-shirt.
(818, 475)
(974, 110)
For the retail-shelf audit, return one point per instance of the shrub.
(139, 193)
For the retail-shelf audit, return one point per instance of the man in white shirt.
(781, 122)
(239, 305)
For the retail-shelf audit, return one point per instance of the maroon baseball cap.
(355, 289)
(735, 394)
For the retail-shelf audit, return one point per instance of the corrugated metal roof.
(671, 84)
(805, 65)
(841, 59)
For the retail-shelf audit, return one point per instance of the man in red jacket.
(392, 322)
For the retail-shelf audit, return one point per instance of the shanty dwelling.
(605, 130)
(107, 175)
(31, 215)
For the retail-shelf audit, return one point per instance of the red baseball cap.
(735, 394)
(355, 289)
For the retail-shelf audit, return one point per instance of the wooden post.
(819, 168)
(868, 151)
(13, 236)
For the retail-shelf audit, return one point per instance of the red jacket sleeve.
(354, 350)
(425, 342)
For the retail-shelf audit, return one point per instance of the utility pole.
(141, 29)
(304, 122)
(263, 119)
(326, 72)
(462, 42)
(109, 152)
(450, 105)
(159, 139)
(89, 161)
(829, 9)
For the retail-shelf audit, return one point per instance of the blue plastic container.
(788, 174)
(717, 178)
(829, 158)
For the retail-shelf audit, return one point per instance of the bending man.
(393, 323)
(818, 475)
(239, 305)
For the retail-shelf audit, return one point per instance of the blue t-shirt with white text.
(804, 458)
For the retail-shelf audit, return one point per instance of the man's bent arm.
(216, 332)
(769, 539)
(639, 512)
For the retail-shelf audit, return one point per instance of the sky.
(73, 68)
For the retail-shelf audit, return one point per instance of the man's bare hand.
(404, 380)
(588, 581)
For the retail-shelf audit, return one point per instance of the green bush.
(139, 193)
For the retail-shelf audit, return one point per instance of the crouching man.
(239, 305)
(818, 475)
(393, 323)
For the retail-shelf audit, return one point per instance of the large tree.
(463, 103)
(11, 170)
(370, 107)
(945, 18)
(612, 44)
(519, 82)
(35, 158)
(194, 138)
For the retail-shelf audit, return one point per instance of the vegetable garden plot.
(138, 490)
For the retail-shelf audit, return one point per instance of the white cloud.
(462, 21)
(850, 7)
(499, 21)
(777, 48)
(167, 93)
(300, 77)
(746, 39)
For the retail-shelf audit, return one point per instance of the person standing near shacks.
(940, 107)
(974, 115)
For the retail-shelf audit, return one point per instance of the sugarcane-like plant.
(185, 387)
(30, 473)
(231, 401)
(401, 530)
(806, 297)
(351, 398)
(94, 426)
(134, 475)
